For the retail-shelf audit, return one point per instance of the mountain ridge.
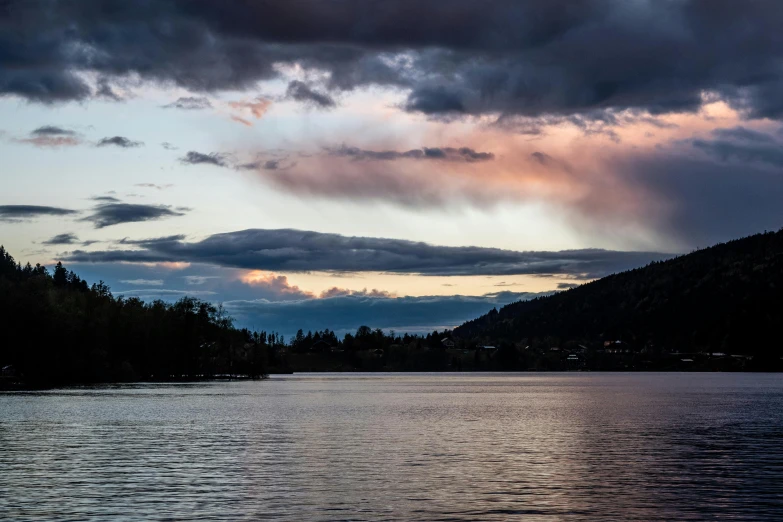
(727, 297)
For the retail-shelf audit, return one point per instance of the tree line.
(57, 329)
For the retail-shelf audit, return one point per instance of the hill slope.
(726, 298)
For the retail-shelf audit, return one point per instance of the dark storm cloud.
(459, 57)
(742, 145)
(196, 158)
(19, 212)
(289, 250)
(302, 92)
(566, 286)
(708, 199)
(119, 141)
(190, 103)
(109, 214)
(743, 134)
(106, 91)
(62, 239)
(463, 154)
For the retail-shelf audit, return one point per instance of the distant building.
(321, 346)
(448, 343)
(487, 348)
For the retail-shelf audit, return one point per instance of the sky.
(405, 165)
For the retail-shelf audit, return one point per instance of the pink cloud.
(52, 141)
(255, 108)
(275, 284)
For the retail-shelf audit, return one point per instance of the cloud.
(106, 91)
(287, 250)
(197, 279)
(23, 212)
(164, 294)
(259, 165)
(459, 57)
(432, 177)
(348, 312)
(742, 145)
(272, 302)
(105, 199)
(168, 146)
(464, 154)
(706, 201)
(119, 141)
(62, 239)
(155, 186)
(241, 120)
(256, 108)
(275, 284)
(196, 158)
(566, 286)
(151, 240)
(143, 282)
(301, 92)
(109, 214)
(190, 103)
(52, 136)
(51, 130)
(341, 292)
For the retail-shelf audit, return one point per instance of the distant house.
(378, 352)
(448, 343)
(321, 346)
(9, 371)
(487, 348)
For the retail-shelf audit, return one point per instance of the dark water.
(402, 447)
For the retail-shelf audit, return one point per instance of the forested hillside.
(56, 329)
(727, 298)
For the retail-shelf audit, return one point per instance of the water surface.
(579, 446)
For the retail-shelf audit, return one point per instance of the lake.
(541, 446)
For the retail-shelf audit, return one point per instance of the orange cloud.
(255, 108)
(275, 283)
(52, 141)
(241, 120)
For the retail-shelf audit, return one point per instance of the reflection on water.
(401, 447)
